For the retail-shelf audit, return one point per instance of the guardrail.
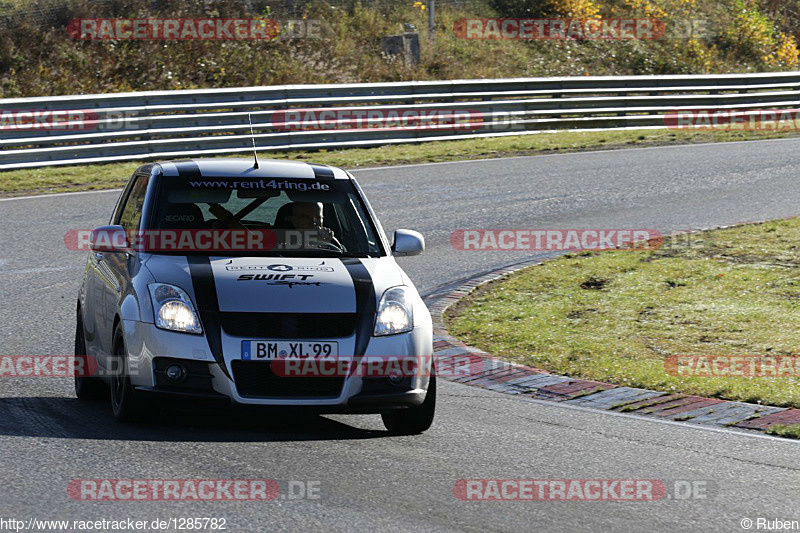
(168, 124)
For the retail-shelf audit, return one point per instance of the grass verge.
(89, 177)
(616, 316)
(782, 430)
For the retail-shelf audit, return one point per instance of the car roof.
(243, 168)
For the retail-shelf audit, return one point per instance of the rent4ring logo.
(555, 239)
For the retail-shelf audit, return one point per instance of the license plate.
(269, 350)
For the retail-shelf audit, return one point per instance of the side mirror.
(109, 239)
(407, 242)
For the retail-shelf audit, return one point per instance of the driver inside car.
(306, 216)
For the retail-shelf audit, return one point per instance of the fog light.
(176, 373)
(396, 379)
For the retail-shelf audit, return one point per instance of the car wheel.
(414, 420)
(89, 388)
(126, 404)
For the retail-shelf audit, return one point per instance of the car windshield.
(300, 217)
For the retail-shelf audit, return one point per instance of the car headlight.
(173, 309)
(394, 313)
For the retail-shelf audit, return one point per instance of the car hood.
(276, 284)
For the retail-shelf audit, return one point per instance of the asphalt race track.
(367, 480)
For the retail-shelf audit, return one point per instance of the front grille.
(256, 380)
(289, 325)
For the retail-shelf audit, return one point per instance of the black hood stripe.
(365, 302)
(205, 294)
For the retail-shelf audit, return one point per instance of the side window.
(121, 201)
(132, 210)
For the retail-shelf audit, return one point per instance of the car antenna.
(253, 136)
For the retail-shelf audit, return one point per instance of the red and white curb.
(491, 373)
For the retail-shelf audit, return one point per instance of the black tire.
(88, 388)
(413, 420)
(126, 404)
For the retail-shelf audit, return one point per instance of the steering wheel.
(327, 245)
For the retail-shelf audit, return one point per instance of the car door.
(113, 268)
(93, 309)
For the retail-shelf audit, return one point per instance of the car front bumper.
(149, 347)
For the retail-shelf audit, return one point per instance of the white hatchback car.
(213, 271)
